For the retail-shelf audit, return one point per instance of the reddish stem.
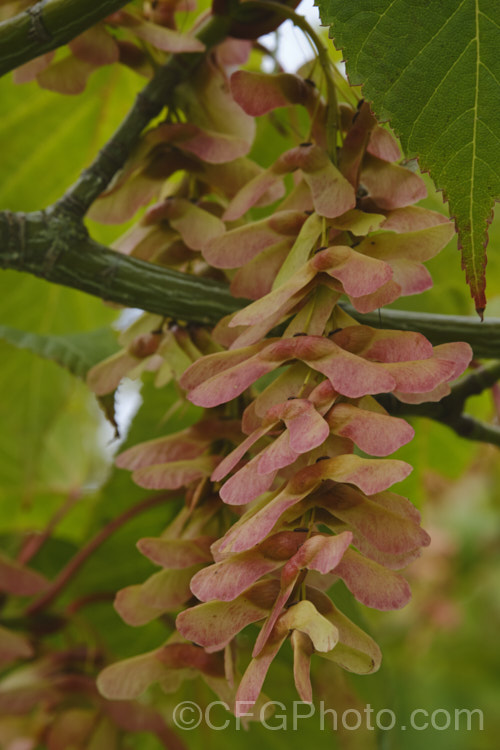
(84, 601)
(76, 562)
(35, 541)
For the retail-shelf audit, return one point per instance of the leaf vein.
(490, 72)
(420, 52)
(489, 19)
(443, 81)
(365, 42)
(474, 158)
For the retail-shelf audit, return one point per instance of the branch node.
(37, 31)
(115, 154)
(73, 206)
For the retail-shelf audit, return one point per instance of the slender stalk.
(94, 598)
(68, 573)
(46, 25)
(36, 541)
(324, 61)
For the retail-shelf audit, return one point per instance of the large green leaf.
(41, 455)
(48, 138)
(51, 442)
(431, 67)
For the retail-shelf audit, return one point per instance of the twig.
(475, 383)
(450, 410)
(36, 541)
(94, 598)
(46, 25)
(76, 562)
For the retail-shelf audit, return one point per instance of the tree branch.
(324, 60)
(449, 410)
(54, 248)
(46, 25)
(483, 336)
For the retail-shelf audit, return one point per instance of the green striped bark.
(54, 247)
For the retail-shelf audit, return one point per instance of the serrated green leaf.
(432, 69)
(77, 352)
